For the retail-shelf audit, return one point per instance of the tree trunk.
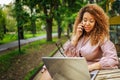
(33, 27)
(5, 30)
(21, 32)
(69, 30)
(59, 31)
(59, 26)
(49, 29)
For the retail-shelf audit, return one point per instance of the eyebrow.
(89, 19)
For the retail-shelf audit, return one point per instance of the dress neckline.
(85, 40)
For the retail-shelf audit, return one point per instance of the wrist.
(74, 41)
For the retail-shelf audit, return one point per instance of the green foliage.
(11, 24)
(10, 18)
(116, 6)
(8, 38)
(70, 10)
(115, 9)
(102, 3)
(19, 13)
(32, 14)
(2, 23)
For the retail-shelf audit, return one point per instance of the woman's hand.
(79, 32)
(95, 66)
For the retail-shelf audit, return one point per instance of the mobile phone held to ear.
(83, 28)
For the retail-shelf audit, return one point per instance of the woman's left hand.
(95, 66)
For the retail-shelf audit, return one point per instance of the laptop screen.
(67, 68)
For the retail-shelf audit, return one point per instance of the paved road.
(24, 41)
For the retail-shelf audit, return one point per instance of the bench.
(60, 47)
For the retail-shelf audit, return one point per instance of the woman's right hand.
(79, 32)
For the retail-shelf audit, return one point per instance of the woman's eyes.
(91, 21)
(84, 20)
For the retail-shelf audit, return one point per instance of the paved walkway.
(24, 41)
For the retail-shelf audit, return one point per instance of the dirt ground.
(22, 64)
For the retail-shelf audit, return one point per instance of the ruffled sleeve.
(109, 58)
(70, 50)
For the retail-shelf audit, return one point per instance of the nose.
(87, 23)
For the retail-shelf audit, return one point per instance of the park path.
(24, 41)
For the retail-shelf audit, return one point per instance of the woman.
(90, 39)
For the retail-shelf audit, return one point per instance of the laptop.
(68, 68)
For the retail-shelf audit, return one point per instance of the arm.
(69, 49)
(109, 59)
(70, 46)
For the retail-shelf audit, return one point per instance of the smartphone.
(83, 30)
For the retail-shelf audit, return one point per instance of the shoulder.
(106, 43)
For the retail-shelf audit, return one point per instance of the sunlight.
(4, 2)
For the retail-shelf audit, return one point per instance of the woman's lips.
(86, 28)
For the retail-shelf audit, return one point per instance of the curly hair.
(101, 27)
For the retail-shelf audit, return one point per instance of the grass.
(10, 37)
(33, 72)
(8, 58)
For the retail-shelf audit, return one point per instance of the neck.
(87, 34)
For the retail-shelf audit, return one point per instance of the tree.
(32, 6)
(71, 9)
(57, 16)
(2, 24)
(19, 18)
(47, 7)
(102, 3)
(63, 11)
(10, 18)
(116, 7)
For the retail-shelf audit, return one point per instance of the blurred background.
(23, 19)
(33, 17)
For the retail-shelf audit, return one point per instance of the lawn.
(15, 66)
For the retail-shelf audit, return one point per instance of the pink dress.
(104, 53)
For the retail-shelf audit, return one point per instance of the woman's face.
(88, 22)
